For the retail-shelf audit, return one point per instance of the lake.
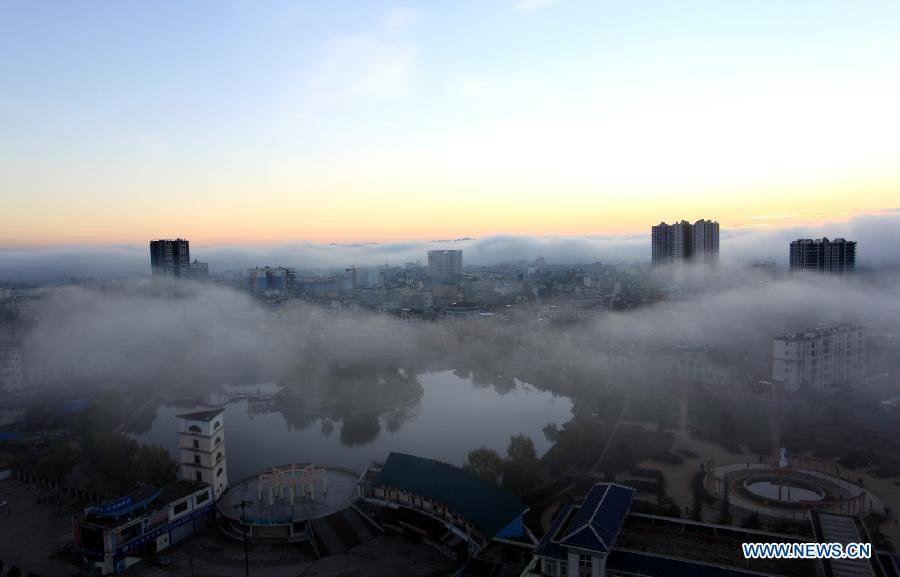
(454, 416)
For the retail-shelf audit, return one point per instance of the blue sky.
(342, 109)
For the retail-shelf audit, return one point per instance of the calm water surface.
(453, 417)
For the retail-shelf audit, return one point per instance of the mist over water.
(185, 338)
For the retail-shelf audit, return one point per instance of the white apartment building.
(820, 359)
(11, 376)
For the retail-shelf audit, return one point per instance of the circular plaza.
(789, 488)
(280, 504)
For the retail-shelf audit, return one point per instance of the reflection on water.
(455, 415)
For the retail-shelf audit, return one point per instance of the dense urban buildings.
(170, 258)
(820, 359)
(271, 281)
(444, 264)
(837, 256)
(685, 242)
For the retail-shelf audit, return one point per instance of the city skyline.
(292, 122)
(528, 288)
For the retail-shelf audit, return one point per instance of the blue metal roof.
(486, 506)
(600, 518)
(547, 547)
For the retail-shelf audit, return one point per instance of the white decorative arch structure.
(292, 481)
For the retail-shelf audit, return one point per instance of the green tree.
(697, 504)
(522, 471)
(155, 466)
(486, 463)
(552, 432)
(661, 496)
(725, 516)
(56, 463)
(521, 449)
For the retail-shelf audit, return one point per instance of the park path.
(612, 435)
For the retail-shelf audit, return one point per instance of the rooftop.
(205, 416)
(660, 546)
(597, 523)
(486, 506)
(340, 494)
(844, 529)
(141, 501)
(818, 332)
(663, 541)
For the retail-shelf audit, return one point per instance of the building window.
(196, 459)
(202, 498)
(219, 472)
(196, 444)
(219, 457)
(218, 440)
(194, 429)
(216, 425)
(585, 562)
(180, 508)
(198, 476)
(550, 567)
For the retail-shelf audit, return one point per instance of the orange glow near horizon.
(274, 219)
(388, 124)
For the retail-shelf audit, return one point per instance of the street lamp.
(243, 505)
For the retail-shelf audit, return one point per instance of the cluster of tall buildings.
(172, 259)
(684, 242)
(836, 256)
(679, 243)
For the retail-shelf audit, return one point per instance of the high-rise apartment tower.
(170, 258)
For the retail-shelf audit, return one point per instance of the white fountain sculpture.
(782, 459)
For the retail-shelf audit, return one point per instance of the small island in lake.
(343, 389)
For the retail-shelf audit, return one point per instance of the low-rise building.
(603, 538)
(448, 507)
(120, 533)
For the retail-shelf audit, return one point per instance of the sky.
(263, 123)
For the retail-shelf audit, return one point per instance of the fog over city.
(878, 231)
(528, 288)
(208, 334)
